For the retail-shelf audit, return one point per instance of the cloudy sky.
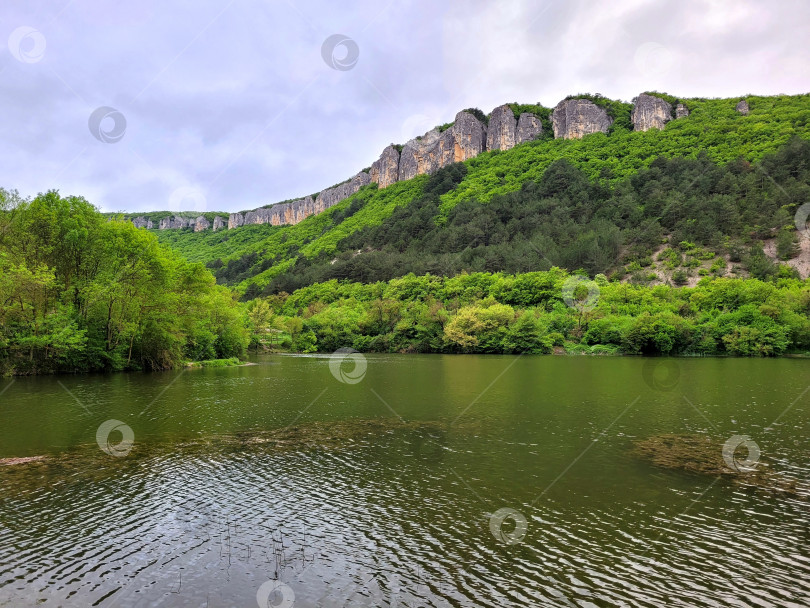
(232, 104)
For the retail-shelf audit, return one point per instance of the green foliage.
(502, 313)
(478, 114)
(787, 243)
(713, 127)
(209, 246)
(542, 112)
(566, 220)
(81, 292)
(230, 362)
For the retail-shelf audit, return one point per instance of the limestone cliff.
(502, 129)
(174, 222)
(295, 211)
(385, 170)
(332, 196)
(235, 220)
(465, 138)
(201, 224)
(417, 155)
(529, 127)
(469, 137)
(650, 112)
(575, 118)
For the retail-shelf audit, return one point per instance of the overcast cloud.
(229, 104)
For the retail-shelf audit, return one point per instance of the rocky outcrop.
(201, 224)
(295, 211)
(385, 170)
(529, 127)
(504, 132)
(502, 128)
(332, 196)
(465, 139)
(418, 155)
(575, 118)
(173, 223)
(469, 137)
(742, 107)
(278, 214)
(650, 112)
(235, 220)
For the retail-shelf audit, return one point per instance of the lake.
(405, 480)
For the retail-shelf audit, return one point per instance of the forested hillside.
(697, 198)
(80, 292)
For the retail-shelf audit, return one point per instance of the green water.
(395, 500)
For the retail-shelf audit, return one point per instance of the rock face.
(501, 129)
(575, 118)
(418, 155)
(235, 220)
(201, 224)
(469, 137)
(742, 107)
(173, 223)
(465, 139)
(529, 127)
(650, 112)
(332, 196)
(281, 213)
(385, 170)
(297, 210)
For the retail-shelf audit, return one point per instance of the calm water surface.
(400, 503)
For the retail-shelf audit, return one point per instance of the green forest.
(537, 311)
(677, 219)
(82, 292)
(619, 243)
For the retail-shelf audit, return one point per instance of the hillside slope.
(600, 174)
